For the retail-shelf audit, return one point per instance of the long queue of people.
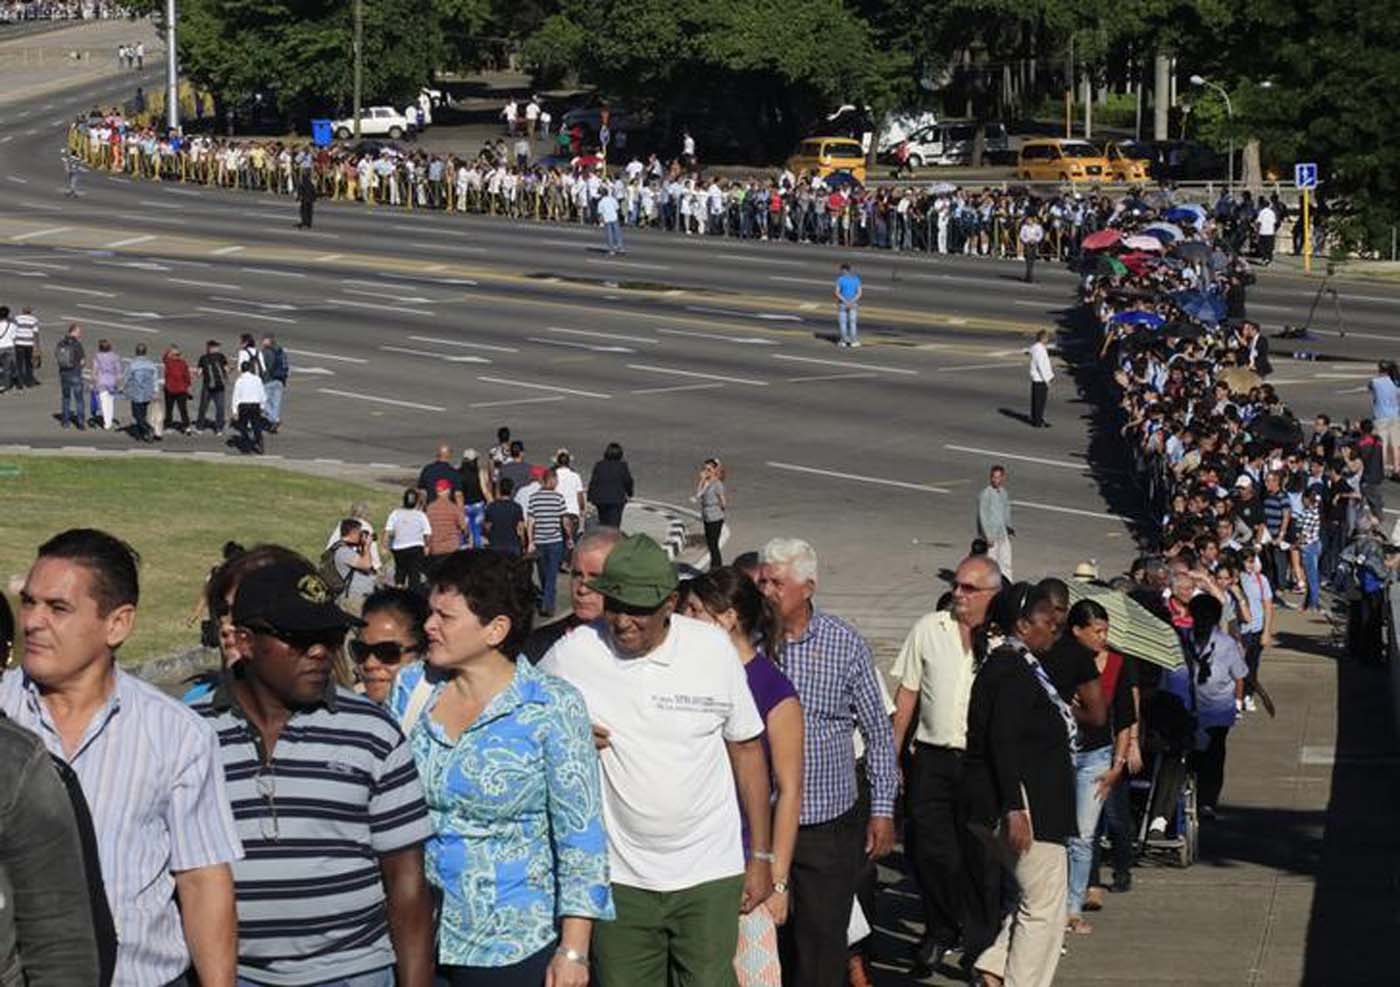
(787, 206)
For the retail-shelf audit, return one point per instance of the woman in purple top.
(728, 598)
(106, 372)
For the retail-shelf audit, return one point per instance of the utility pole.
(359, 45)
(172, 69)
(1069, 89)
(1161, 96)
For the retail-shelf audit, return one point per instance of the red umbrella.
(1137, 261)
(1101, 240)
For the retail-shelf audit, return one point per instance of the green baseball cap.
(637, 573)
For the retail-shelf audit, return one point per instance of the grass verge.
(177, 514)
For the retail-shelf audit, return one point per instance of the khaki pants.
(1027, 950)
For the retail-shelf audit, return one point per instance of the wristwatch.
(780, 887)
(572, 955)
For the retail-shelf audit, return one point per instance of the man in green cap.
(670, 698)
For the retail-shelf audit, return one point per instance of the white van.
(950, 143)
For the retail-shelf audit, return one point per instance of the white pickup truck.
(375, 121)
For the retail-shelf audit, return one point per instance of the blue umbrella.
(1137, 317)
(1161, 234)
(1200, 306)
(1188, 213)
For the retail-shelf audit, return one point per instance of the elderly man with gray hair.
(830, 666)
(586, 604)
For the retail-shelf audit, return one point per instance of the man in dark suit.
(306, 195)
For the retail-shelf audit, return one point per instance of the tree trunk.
(1251, 175)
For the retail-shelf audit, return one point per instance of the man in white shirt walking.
(1266, 225)
(1041, 376)
(994, 519)
(608, 216)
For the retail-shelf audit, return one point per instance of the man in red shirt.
(177, 388)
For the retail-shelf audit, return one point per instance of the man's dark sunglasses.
(385, 652)
(332, 638)
(611, 605)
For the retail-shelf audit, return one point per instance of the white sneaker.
(855, 343)
(1239, 705)
(1158, 826)
(1249, 704)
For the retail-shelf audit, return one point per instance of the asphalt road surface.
(407, 328)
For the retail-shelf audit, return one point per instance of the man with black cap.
(669, 698)
(328, 801)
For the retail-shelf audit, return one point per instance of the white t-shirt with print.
(669, 800)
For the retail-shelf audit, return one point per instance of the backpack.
(330, 573)
(66, 354)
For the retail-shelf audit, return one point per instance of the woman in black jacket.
(610, 486)
(1020, 784)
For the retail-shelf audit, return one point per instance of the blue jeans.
(70, 382)
(1311, 553)
(476, 516)
(548, 558)
(846, 321)
(613, 234)
(272, 407)
(1087, 768)
(378, 978)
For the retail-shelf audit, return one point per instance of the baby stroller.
(1169, 792)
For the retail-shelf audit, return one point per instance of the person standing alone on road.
(1031, 235)
(608, 216)
(994, 519)
(306, 195)
(848, 292)
(1041, 376)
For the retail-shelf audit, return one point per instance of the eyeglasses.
(385, 652)
(266, 784)
(332, 638)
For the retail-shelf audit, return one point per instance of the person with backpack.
(275, 368)
(213, 371)
(346, 567)
(69, 358)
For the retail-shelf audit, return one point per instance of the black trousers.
(1366, 628)
(24, 366)
(214, 399)
(825, 864)
(933, 826)
(181, 401)
(250, 426)
(1031, 250)
(1040, 393)
(408, 566)
(1209, 766)
(306, 209)
(712, 530)
(610, 515)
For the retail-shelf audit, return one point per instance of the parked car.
(827, 155)
(1130, 161)
(899, 126)
(951, 143)
(1061, 160)
(375, 121)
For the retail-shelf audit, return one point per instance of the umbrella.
(1132, 628)
(1161, 236)
(1101, 239)
(1240, 380)
(1276, 430)
(1188, 212)
(1149, 243)
(1193, 250)
(942, 188)
(1111, 265)
(1173, 231)
(1138, 262)
(1137, 317)
(1201, 306)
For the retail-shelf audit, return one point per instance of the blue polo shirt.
(848, 286)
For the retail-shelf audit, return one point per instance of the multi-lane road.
(410, 327)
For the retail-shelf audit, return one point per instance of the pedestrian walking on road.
(848, 291)
(1032, 233)
(610, 486)
(72, 168)
(608, 216)
(994, 519)
(1042, 373)
(306, 195)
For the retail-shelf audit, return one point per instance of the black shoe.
(1123, 883)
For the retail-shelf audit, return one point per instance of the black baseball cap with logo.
(289, 597)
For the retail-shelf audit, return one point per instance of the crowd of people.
(17, 11)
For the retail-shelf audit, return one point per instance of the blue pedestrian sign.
(1305, 175)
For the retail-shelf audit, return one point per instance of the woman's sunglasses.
(385, 652)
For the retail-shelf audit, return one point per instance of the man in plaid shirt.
(830, 665)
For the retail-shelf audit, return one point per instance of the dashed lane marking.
(546, 387)
(378, 400)
(648, 368)
(847, 364)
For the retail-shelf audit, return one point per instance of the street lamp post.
(1197, 80)
(172, 69)
(359, 43)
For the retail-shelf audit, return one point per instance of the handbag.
(756, 962)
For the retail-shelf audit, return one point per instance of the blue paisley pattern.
(517, 818)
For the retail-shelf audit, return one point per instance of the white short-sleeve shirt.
(669, 798)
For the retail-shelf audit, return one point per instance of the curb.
(677, 530)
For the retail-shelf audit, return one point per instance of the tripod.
(1326, 289)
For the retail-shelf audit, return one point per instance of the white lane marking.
(847, 364)
(22, 274)
(293, 231)
(1040, 305)
(628, 263)
(806, 380)
(221, 251)
(823, 282)
(161, 205)
(269, 306)
(601, 335)
(119, 181)
(110, 325)
(497, 404)
(35, 234)
(433, 230)
(16, 179)
(695, 373)
(182, 191)
(134, 265)
(130, 241)
(371, 284)
(1335, 376)
(742, 340)
(6, 140)
(434, 268)
(978, 366)
(448, 357)
(1347, 390)
(322, 371)
(119, 311)
(776, 317)
(419, 279)
(575, 345)
(794, 468)
(401, 299)
(245, 315)
(327, 356)
(458, 342)
(1067, 510)
(138, 218)
(206, 284)
(677, 387)
(46, 265)
(994, 454)
(378, 400)
(272, 273)
(380, 308)
(327, 258)
(760, 260)
(81, 291)
(545, 387)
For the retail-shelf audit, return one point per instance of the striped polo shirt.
(547, 510)
(339, 791)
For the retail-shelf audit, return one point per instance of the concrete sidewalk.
(1299, 877)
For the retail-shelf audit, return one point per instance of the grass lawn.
(177, 514)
